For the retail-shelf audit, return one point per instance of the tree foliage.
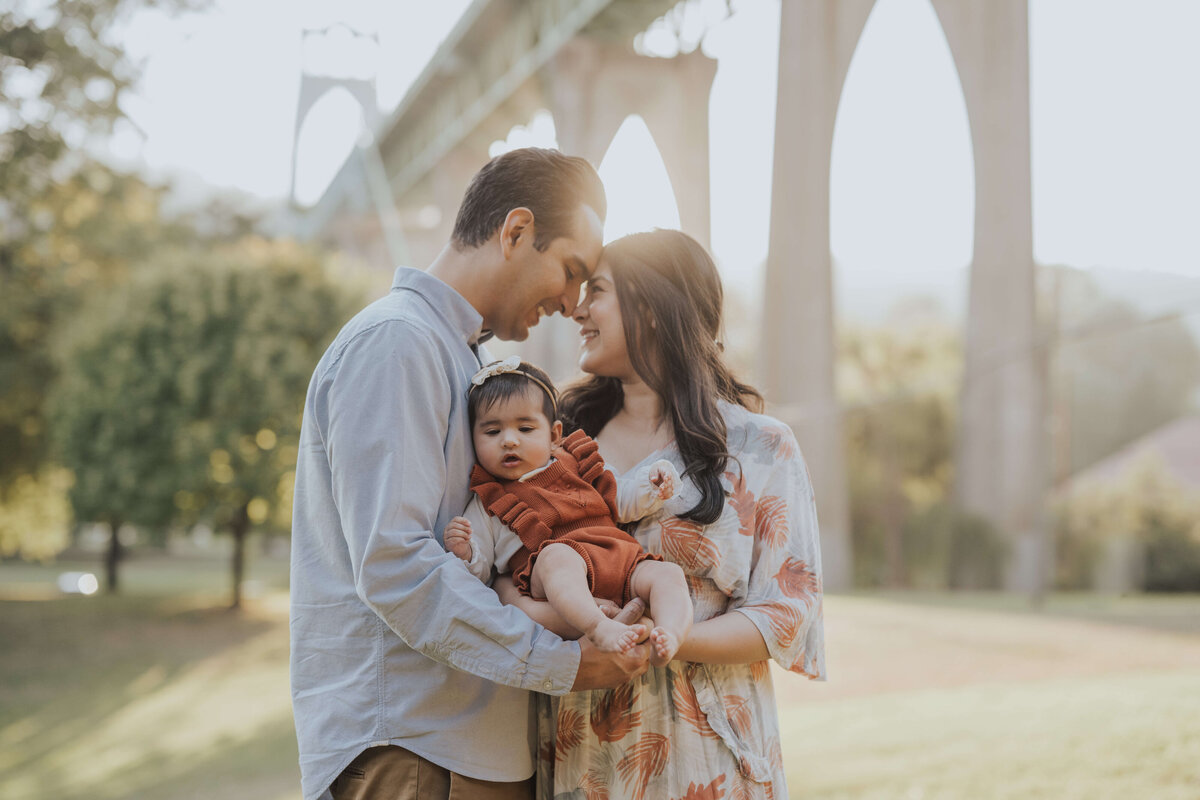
(181, 394)
(899, 384)
(1147, 507)
(68, 225)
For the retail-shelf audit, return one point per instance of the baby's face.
(514, 436)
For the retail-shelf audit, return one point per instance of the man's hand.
(600, 670)
(458, 538)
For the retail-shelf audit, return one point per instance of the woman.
(742, 525)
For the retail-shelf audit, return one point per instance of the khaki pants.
(393, 773)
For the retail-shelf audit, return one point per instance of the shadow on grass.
(74, 664)
(261, 768)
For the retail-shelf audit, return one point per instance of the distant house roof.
(1175, 447)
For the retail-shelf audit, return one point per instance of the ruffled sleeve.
(637, 497)
(583, 449)
(784, 594)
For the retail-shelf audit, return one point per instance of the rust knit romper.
(573, 501)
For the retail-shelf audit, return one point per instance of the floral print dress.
(691, 731)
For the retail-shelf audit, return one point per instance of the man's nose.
(579, 313)
(570, 302)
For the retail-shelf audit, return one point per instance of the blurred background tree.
(180, 394)
(115, 412)
(67, 223)
(255, 317)
(152, 367)
(899, 381)
(1151, 514)
(1119, 372)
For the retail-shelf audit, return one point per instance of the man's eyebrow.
(580, 266)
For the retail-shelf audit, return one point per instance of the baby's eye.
(526, 428)
(492, 432)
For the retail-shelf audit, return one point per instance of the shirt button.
(548, 684)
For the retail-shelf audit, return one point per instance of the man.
(409, 678)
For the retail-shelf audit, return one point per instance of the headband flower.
(510, 364)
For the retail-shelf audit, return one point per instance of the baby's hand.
(458, 538)
(662, 476)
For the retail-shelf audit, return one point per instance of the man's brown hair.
(551, 185)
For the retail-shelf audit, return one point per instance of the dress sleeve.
(784, 594)
(637, 497)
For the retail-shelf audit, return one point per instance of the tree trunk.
(893, 515)
(239, 529)
(112, 559)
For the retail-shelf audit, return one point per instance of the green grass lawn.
(163, 694)
(159, 693)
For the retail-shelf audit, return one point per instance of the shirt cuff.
(552, 665)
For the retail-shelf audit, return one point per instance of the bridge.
(394, 201)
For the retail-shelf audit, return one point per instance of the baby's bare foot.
(615, 637)
(664, 646)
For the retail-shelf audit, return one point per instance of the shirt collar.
(447, 302)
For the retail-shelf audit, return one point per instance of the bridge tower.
(1001, 459)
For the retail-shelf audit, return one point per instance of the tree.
(67, 224)
(899, 383)
(180, 398)
(262, 315)
(116, 409)
(1118, 375)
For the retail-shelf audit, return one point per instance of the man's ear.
(556, 432)
(517, 224)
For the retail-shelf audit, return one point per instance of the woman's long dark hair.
(670, 298)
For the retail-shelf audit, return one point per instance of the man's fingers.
(607, 607)
(632, 611)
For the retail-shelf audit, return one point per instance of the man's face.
(540, 283)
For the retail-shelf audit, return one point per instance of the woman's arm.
(728, 639)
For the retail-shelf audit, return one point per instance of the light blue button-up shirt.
(392, 639)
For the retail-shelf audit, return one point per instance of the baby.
(543, 511)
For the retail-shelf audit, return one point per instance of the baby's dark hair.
(511, 383)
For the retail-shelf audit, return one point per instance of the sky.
(1114, 124)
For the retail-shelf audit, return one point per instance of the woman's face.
(602, 351)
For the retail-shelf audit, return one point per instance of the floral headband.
(511, 365)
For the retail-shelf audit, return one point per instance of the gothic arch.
(1000, 461)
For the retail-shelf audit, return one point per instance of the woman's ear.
(556, 432)
(518, 223)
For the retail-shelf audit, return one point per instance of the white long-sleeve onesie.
(493, 543)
